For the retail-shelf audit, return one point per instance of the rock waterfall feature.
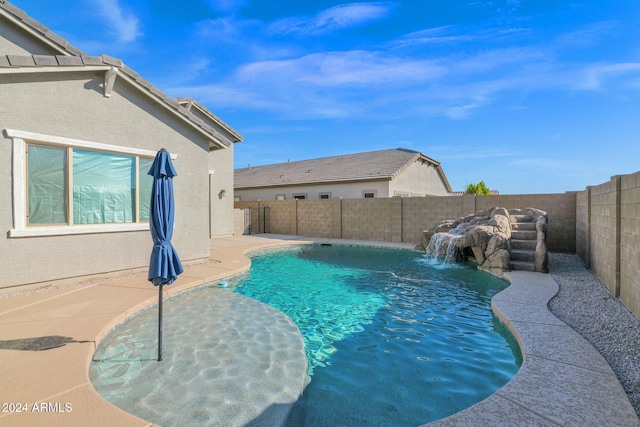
(497, 239)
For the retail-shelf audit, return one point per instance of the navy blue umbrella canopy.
(165, 265)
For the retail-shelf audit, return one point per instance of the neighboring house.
(386, 173)
(80, 133)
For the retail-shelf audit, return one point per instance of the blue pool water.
(391, 338)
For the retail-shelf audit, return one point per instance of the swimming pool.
(392, 339)
(380, 351)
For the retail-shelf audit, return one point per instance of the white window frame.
(324, 193)
(19, 140)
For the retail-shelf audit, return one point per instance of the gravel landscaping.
(584, 303)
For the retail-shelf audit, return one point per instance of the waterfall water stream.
(442, 245)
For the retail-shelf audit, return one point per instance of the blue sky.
(530, 96)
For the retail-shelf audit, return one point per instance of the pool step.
(518, 244)
(523, 242)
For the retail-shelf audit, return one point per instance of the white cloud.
(333, 19)
(454, 82)
(596, 76)
(352, 68)
(121, 21)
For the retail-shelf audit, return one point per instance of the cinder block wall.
(608, 235)
(402, 219)
(422, 213)
(583, 225)
(319, 218)
(604, 212)
(630, 242)
(372, 219)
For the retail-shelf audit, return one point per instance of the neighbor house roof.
(369, 166)
(71, 59)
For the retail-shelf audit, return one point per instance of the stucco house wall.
(60, 99)
(352, 190)
(64, 108)
(221, 216)
(418, 180)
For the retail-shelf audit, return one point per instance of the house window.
(47, 185)
(324, 195)
(300, 196)
(236, 198)
(280, 197)
(368, 194)
(67, 186)
(102, 186)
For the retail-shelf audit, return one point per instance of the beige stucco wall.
(14, 42)
(419, 179)
(337, 190)
(221, 217)
(73, 106)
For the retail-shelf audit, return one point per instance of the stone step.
(524, 235)
(523, 266)
(529, 245)
(520, 218)
(523, 255)
(523, 226)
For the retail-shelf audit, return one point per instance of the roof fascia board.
(189, 103)
(444, 178)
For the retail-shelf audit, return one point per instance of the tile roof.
(72, 57)
(372, 165)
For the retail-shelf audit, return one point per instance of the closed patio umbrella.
(165, 265)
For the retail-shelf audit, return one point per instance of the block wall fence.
(601, 224)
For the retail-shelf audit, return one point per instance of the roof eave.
(190, 103)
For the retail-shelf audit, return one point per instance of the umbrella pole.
(160, 323)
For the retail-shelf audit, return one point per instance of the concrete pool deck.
(563, 381)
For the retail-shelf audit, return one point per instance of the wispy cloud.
(353, 68)
(595, 77)
(227, 6)
(430, 36)
(333, 19)
(447, 71)
(121, 21)
(589, 35)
